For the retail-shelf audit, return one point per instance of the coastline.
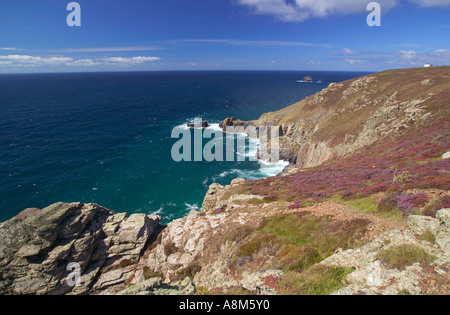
(275, 168)
(332, 229)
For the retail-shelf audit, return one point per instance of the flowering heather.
(408, 201)
(407, 204)
(372, 170)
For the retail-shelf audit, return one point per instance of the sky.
(145, 35)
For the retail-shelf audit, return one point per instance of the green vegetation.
(325, 235)
(169, 249)
(402, 256)
(259, 201)
(296, 243)
(150, 273)
(189, 271)
(366, 204)
(317, 280)
(125, 263)
(427, 236)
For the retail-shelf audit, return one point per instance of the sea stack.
(204, 124)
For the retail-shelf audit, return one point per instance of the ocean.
(106, 137)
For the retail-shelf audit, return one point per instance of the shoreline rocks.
(36, 248)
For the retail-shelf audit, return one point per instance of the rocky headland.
(364, 209)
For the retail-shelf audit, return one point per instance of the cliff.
(353, 114)
(365, 212)
(38, 247)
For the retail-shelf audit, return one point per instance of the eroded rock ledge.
(37, 246)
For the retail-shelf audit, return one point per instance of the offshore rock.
(204, 124)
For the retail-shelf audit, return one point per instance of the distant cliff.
(349, 115)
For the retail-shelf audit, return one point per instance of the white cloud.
(9, 48)
(347, 51)
(433, 3)
(234, 42)
(404, 58)
(437, 57)
(109, 49)
(407, 55)
(353, 61)
(131, 60)
(21, 58)
(300, 10)
(36, 61)
(82, 63)
(56, 60)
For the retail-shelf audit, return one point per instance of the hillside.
(364, 210)
(350, 115)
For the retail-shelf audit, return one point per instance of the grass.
(402, 256)
(150, 273)
(323, 234)
(427, 236)
(366, 204)
(189, 271)
(259, 201)
(295, 243)
(317, 280)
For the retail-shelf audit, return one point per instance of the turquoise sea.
(106, 137)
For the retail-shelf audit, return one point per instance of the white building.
(428, 65)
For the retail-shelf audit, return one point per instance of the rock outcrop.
(204, 245)
(203, 124)
(371, 276)
(38, 248)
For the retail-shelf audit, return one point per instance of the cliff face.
(349, 115)
(37, 248)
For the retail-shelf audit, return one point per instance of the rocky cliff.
(349, 115)
(224, 251)
(37, 248)
(366, 212)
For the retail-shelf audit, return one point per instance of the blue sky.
(136, 35)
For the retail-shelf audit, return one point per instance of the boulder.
(443, 233)
(37, 248)
(421, 224)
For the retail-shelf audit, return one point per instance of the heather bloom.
(297, 204)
